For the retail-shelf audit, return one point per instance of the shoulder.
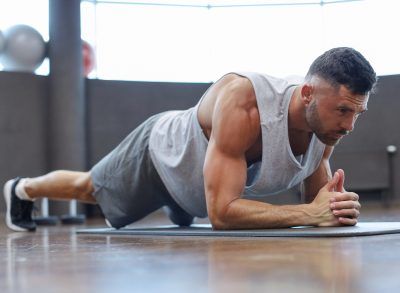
(237, 90)
(233, 81)
(236, 121)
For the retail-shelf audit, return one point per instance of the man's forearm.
(250, 214)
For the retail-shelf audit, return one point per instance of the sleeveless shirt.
(178, 147)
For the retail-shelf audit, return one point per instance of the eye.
(344, 110)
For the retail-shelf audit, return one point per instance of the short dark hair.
(345, 66)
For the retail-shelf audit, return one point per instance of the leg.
(19, 193)
(62, 185)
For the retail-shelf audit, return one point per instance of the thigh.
(126, 185)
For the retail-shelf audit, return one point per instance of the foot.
(19, 212)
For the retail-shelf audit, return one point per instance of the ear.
(306, 94)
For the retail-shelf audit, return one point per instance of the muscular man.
(250, 135)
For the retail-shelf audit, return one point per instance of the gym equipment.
(45, 219)
(388, 194)
(88, 57)
(361, 229)
(73, 217)
(24, 49)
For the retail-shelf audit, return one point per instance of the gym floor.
(56, 259)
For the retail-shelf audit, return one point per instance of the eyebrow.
(352, 109)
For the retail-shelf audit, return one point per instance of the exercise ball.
(88, 57)
(24, 49)
(2, 42)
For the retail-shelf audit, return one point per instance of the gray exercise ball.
(24, 49)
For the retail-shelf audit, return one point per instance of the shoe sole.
(7, 198)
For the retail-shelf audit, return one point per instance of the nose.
(348, 124)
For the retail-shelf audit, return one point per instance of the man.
(249, 135)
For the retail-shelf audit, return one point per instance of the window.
(200, 40)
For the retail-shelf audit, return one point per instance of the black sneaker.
(19, 212)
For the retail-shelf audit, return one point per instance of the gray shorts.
(126, 184)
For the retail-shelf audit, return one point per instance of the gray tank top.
(178, 147)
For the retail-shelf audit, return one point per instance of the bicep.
(235, 125)
(224, 179)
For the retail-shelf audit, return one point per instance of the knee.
(82, 184)
(178, 216)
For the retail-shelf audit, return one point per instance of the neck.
(296, 116)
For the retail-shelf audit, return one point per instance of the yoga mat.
(361, 229)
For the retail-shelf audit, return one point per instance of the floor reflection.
(56, 259)
(321, 265)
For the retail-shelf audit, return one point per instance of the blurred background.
(198, 40)
(77, 76)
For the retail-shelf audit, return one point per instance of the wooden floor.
(56, 259)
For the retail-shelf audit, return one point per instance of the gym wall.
(114, 108)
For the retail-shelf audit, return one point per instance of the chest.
(299, 142)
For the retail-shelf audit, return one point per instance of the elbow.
(219, 219)
(219, 225)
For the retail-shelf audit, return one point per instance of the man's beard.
(314, 122)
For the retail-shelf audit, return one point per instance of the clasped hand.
(334, 205)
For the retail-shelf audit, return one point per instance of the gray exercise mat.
(361, 229)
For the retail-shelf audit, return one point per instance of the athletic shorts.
(126, 184)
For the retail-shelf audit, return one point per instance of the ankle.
(20, 190)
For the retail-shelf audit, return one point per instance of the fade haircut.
(345, 66)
